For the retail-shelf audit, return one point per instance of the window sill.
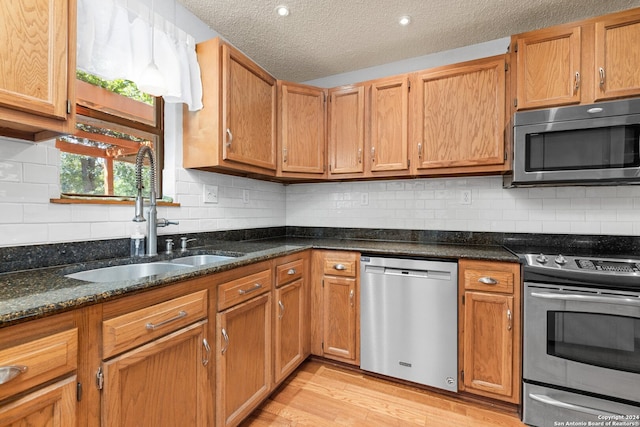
(107, 201)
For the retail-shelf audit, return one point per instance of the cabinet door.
(346, 130)
(340, 302)
(289, 328)
(248, 111)
(54, 406)
(301, 130)
(459, 116)
(549, 68)
(488, 343)
(617, 57)
(389, 107)
(162, 383)
(243, 365)
(33, 56)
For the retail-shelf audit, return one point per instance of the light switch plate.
(210, 194)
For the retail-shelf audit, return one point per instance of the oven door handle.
(588, 298)
(559, 404)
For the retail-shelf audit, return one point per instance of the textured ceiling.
(320, 38)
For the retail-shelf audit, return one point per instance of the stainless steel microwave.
(596, 144)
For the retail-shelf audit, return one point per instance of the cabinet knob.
(340, 267)
(291, 271)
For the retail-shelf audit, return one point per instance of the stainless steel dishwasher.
(409, 319)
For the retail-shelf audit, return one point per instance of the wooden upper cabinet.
(617, 54)
(301, 131)
(549, 67)
(37, 68)
(387, 143)
(578, 63)
(346, 131)
(458, 121)
(236, 129)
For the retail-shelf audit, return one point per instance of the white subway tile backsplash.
(24, 234)
(12, 213)
(10, 171)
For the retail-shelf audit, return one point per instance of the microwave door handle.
(587, 298)
(559, 404)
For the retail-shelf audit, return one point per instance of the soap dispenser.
(137, 244)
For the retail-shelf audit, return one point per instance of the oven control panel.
(611, 266)
(585, 265)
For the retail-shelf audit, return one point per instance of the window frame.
(95, 104)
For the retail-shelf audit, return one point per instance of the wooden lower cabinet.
(53, 406)
(162, 383)
(490, 329)
(243, 365)
(335, 302)
(289, 329)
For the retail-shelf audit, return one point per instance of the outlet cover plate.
(210, 194)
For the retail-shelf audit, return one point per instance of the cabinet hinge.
(515, 47)
(324, 97)
(462, 375)
(506, 67)
(78, 392)
(505, 155)
(408, 163)
(322, 345)
(409, 85)
(515, 102)
(462, 299)
(323, 283)
(68, 107)
(100, 379)
(329, 167)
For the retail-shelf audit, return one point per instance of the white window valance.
(114, 42)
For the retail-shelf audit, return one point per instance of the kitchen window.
(114, 119)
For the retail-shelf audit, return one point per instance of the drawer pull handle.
(291, 271)
(7, 373)
(281, 310)
(601, 77)
(351, 295)
(488, 280)
(340, 267)
(226, 341)
(154, 326)
(248, 291)
(207, 349)
(508, 319)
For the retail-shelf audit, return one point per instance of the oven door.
(583, 339)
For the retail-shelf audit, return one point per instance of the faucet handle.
(163, 222)
(169, 245)
(183, 242)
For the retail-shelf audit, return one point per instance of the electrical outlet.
(245, 196)
(364, 199)
(210, 194)
(464, 197)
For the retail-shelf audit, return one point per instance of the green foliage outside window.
(119, 86)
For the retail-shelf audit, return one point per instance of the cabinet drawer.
(40, 360)
(238, 290)
(138, 327)
(289, 272)
(340, 265)
(489, 276)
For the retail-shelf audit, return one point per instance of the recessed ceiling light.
(282, 10)
(405, 20)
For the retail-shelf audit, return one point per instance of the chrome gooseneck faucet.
(154, 222)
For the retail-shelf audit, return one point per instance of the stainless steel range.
(581, 355)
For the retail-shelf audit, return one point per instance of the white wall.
(435, 204)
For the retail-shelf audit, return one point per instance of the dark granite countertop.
(35, 293)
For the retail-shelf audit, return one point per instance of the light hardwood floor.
(320, 394)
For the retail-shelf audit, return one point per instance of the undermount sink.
(128, 271)
(198, 260)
